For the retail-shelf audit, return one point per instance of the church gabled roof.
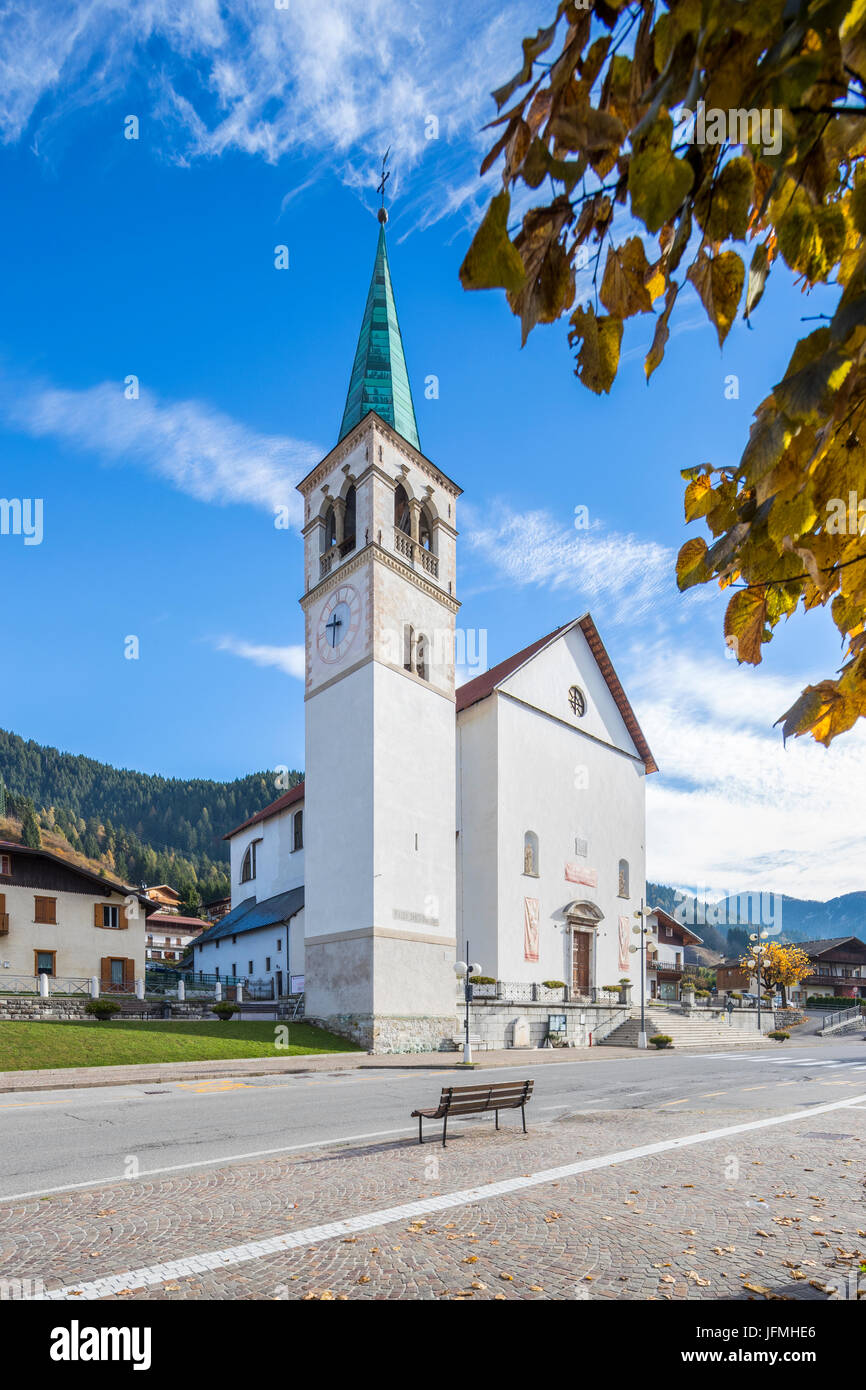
(379, 378)
(484, 685)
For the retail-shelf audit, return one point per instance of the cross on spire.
(386, 174)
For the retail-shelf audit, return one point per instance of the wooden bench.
(474, 1100)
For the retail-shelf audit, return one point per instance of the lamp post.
(646, 939)
(464, 970)
(758, 949)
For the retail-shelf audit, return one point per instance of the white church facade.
(518, 822)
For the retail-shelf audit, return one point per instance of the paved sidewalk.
(56, 1078)
(775, 1212)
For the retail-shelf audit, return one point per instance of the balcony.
(416, 555)
(334, 555)
(4, 923)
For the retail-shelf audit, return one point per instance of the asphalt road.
(68, 1138)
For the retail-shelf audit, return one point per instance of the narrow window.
(402, 512)
(349, 523)
(623, 878)
(425, 529)
(530, 853)
(248, 865)
(5, 865)
(267, 962)
(251, 967)
(408, 646)
(298, 831)
(421, 656)
(279, 944)
(330, 535)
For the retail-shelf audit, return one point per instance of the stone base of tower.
(389, 1034)
(388, 991)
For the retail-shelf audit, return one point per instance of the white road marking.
(151, 1275)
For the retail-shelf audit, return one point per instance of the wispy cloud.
(196, 448)
(625, 574)
(325, 78)
(290, 660)
(733, 808)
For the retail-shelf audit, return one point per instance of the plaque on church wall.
(623, 943)
(581, 847)
(575, 874)
(421, 918)
(530, 929)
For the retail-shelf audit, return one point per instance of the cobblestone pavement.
(774, 1212)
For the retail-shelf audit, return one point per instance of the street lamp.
(758, 949)
(646, 939)
(464, 970)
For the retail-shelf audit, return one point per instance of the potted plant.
(779, 1035)
(101, 1009)
(661, 1040)
(224, 1011)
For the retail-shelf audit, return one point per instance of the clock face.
(338, 623)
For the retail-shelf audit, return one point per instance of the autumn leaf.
(658, 182)
(600, 340)
(623, 288)
(691, 563)
(719, 283)
(722, 208)
(745, 621)
(492, 262)
(662, 332)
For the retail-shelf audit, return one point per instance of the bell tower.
(380, 814)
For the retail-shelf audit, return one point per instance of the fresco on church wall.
(623, 943)
(575, 874)
(530, 929)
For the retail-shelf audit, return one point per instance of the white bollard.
(94, 986)
(43, 986)
(139, 989)
(218, 992)
(181, 991)
(239, 992)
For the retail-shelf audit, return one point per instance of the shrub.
(702, 994)
(101, 1008)
(553, 984)
(834, 1002)
(224, 1011)
(482, 980)
(661, 1040)
(624, 980)
(612, 989)
(779, 1035)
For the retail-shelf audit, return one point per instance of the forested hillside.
(142, 828)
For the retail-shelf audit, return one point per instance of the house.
(167, 898)
(169, 934)
(838, 969)
(732, 978)
(60, 920)
(506, 818)
(666, 963)
(261, 940)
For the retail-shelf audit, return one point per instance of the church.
(515, 827)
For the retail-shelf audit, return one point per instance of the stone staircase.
(686, 1030)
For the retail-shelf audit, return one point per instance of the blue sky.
(155, 257)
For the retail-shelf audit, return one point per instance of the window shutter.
(97, 914)
(105, 971)
(121, 917)
(129, 972)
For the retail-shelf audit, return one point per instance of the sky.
(154, 257)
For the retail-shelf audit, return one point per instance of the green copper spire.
(379, 378)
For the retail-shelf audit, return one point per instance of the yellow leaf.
(600, 339)
(719, 283)
(745, 620)
(623, 289)
(492, 262)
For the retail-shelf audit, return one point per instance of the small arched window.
(349, 522)
(421, 656)
(330, 535)
(298, 831)
(425, 529)
(402, 511)
(623, 878)
(408, 647)
(530, 853)
(248, 863)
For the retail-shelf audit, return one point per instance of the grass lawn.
(32, 1045)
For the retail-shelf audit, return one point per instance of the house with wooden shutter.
(61, 920)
